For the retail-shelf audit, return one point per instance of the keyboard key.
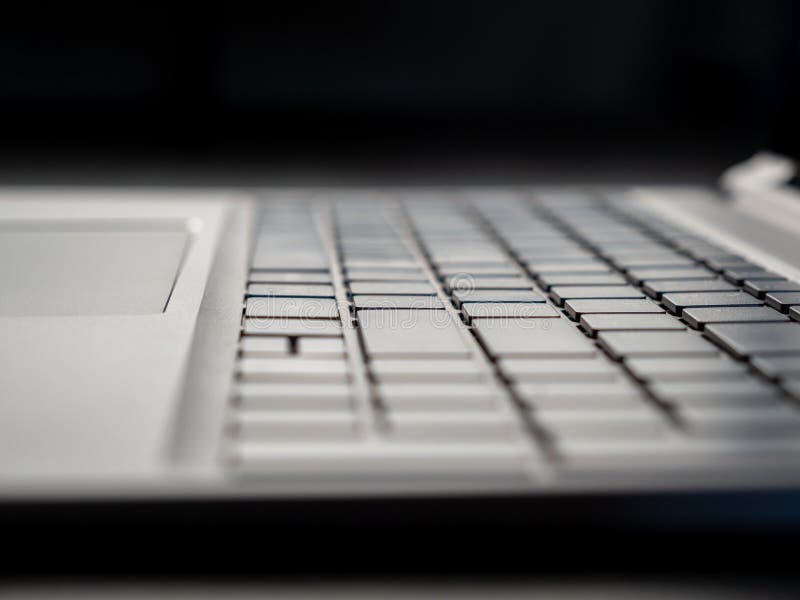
(412, 274)
(320, 347)
(294, 426)
(769, 423)
(291, 290)
(655, 288)
(747, 339)
(552, 396)
(782, 301)
(292, 327)
(570, 279)
(436, 396)
(412, 334)
(397, 302)
(293, 396)
(629, 344)
(391, 288)
(540, 268)
(794, 313)
(560, 294)
(509, 310)
(473, 427)
(278, 346)
(792, 386)
(639, 276)
(676, 302)
(410, 370)
(721, 262)
(575, 308)
(739, 275)
(431, 462)
(289, 277)
(533, 337)
(777, 366)
(503, 269)
(761, 287)
(700, 317)
(497, 296)
(696, 368)
(465, 283)
(292, 308)
(565, 370)
(667, 260)
(292, 368)
(600, 425)
(593, 324)
(715, 394)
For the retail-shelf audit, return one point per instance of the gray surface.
(77, 268)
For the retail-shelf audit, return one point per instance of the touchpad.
(89, 268)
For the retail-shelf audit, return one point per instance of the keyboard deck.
(507, 337)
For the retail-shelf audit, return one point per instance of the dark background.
(360, 83)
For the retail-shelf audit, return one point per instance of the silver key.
(676, 302)
(293, 396)
(747, 339)
(554, 369)
(289, 277)
(593, 324)
(700, 317)
(291, 290)
(411, 333)
(320, 347)
(580, 395)
(533, 337)
(390, 288)
(398, 302)
(509, 310)
(497, 296)
(715, 394)
(551, 280)
(447, 428)
(639, 276)
(656, 288)
(294, 426)
(293, 369)
(560, 294)
(696, 368)
(292, 327)
(626, 344)
(778, 366)
(782, 300)
(292, 308)
(468, 282)
(278, 346)
(619, 425)
(411, 370)
(575, 308)
(436, 396)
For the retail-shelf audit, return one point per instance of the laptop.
(293, 344)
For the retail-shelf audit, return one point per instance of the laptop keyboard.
(501, 336)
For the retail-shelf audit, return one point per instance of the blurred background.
(360, 85)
